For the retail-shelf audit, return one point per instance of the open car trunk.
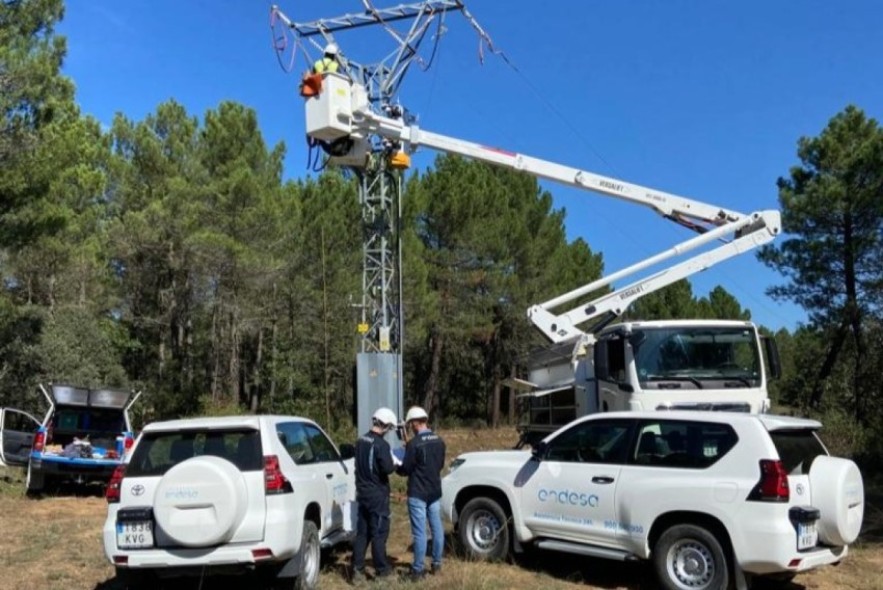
(96, 417)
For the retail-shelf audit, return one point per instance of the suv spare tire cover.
(839, 494)
(201, 501)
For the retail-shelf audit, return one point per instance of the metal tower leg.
(379, 362)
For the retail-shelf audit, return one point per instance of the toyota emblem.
(799, 489)
(137, 489)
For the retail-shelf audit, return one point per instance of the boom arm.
(342, 112)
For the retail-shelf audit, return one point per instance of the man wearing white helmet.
(373, 466)
(423, 463)
(328, 62)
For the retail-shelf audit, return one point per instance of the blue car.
(84, 435)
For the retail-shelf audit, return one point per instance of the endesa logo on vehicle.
(182, 494)
(568, 498)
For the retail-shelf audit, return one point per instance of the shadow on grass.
(603, 573)
(69, 489)
(606, 573)
(335, 563)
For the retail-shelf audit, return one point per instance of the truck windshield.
(696, 357)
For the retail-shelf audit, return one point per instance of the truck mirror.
(602, 366)
(772, 357)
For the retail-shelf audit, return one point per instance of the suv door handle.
(329, 475)
(602, 479)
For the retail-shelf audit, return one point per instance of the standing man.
(328, 62)
(423, 462)
(373, 466)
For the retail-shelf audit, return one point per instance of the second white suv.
(235, 494)
(707, 496)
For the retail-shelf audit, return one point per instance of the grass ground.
(54, 543)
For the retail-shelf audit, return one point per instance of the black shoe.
(415, 576)
(436, 569)
(385, 573)
(359, 577)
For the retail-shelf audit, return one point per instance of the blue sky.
(705, 99)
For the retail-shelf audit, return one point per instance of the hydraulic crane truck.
(675, 364)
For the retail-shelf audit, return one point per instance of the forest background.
(170, 255)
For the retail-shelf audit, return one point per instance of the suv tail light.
(112, 493)
(39, 441)
(275, 481)
(773, 484)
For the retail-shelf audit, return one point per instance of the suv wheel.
(689, 557)
(310, 558)
(484, 530)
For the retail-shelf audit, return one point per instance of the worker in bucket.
(374, 464)
(328, 62)
(423, 463)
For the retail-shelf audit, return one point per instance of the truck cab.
(656, 365)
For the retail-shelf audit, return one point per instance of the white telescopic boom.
(342, 112)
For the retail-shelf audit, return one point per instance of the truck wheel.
(689, 557)
(484, 530)
(35, 481)
(310, 558)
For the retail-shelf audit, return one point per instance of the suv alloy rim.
(690, 564)
(483, 529)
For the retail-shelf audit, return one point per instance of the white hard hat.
(384, 416)
(416, 413)
(331, 49)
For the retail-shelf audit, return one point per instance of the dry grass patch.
(52, 543)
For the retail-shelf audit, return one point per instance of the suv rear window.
(797, 449)
(157, 452)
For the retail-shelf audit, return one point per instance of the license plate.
(807, 535)
(135, 534)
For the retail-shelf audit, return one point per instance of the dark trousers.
(372, 525)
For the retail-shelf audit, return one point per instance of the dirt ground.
(54, 543)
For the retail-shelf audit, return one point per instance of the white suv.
(235, 494)
(707, 496)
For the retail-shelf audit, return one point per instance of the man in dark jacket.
(373, 465)
(423, 462)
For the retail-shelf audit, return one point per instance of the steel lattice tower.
(379, 363)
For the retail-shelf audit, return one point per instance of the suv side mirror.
(347, 451)
(539, 450)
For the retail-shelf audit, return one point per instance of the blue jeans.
(419, 512)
